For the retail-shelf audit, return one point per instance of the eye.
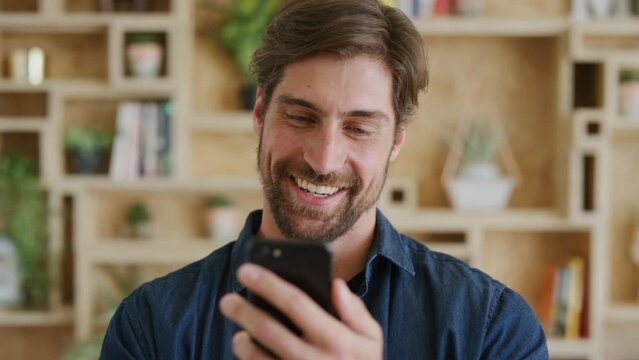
(298, 119)
(359, 131)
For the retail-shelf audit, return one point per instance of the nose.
(325, 150)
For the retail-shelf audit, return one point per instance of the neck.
(350, 251)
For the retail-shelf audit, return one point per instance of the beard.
(331, 224)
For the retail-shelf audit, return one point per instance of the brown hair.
(348, 28)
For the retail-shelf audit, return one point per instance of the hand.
(357, 336)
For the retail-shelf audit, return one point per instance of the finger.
(294, 303)
(245, 348)
(353, 312)
(263, 328)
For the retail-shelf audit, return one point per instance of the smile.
(316, 190)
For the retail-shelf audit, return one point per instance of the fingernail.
(248, 273)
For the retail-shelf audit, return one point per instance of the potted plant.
(145, 55)
(221, 218)
(629, 94)
(240, 34)
(479, 184)
(24, 222)
(88, 147)
(138, 219)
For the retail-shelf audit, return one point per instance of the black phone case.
(305, 265)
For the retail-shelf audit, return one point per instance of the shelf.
(136, 251)
(448, 220)
(570, 349)
(492, 27)
(19, 318)
(23, 124)
(80, 86)
(623, 314)
(75, 183)
(82, 22)
(224, 122)
(608, 27)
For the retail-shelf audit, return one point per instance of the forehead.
(334, 83)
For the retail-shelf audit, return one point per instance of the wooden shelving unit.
(552, 80)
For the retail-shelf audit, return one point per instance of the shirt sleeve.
(513, 330)
(122, 339)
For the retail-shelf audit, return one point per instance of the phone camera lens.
(277, 253)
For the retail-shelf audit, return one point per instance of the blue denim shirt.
(430, 305)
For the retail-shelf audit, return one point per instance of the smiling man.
(338, 82)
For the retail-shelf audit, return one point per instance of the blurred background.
(127, 151)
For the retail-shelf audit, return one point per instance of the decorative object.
(145, 55)
(138, 219)
(600, 8)
(23, 210)
(479, 184)
(470, 7)
(9, 274)
(221, 218)
(399, 194)
(88, 147)
(629, 94)
(27, 65)
(579, 10)
(244, 22)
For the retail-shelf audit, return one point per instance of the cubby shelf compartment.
(19, 318)
(224, 122)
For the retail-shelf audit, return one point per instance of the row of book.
(563, 309)
(142, 144)
(428, 8)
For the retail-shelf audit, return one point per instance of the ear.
(399, 142)
(258, 121)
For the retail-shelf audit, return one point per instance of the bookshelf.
(553, 81)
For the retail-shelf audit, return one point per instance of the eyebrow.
(291, 100)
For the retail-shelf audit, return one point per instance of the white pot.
(145, 59)
(222, 223)
(9, 274)
(479, 171)
(629, 99)
(489, 194)
(600, 8)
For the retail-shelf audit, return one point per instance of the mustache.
(304, 171)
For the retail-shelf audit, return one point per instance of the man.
(338, 81)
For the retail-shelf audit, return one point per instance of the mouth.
(318, 191)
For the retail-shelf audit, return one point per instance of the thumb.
(353, 312)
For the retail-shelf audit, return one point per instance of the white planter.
(145, 59)
(222, 223)
(489, 194)
(629, 99)
(9, 274)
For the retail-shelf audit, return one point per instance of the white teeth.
(319, 191)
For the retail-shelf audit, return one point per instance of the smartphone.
(308, 266)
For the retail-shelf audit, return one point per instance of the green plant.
(137, 38)
(240, 34)
(218, 201)
(629, 75)
(480, 145)
(24, 215)
(138, 214)
(86, 140)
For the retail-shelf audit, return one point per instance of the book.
(575, 297)
(150, 139)
(128, 115)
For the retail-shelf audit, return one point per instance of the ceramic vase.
(145, 59)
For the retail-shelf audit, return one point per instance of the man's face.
(326, 140)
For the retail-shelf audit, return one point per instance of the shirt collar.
(388, 243)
